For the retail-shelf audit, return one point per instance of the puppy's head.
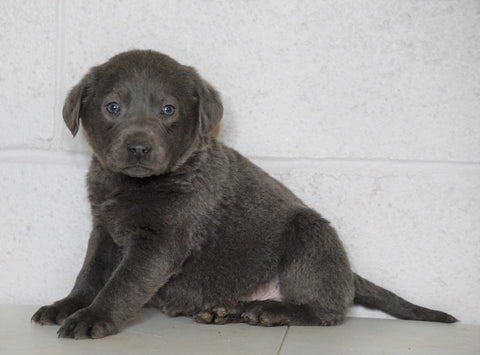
(142, 112)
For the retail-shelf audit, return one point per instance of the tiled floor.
(154, 333)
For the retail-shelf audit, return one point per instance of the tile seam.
(283, 341)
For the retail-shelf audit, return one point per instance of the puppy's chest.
(129, 213)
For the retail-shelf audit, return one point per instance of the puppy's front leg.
(103, 256)
(142, 271)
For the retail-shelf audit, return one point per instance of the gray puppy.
(185, 224)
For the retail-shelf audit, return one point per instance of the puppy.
(185, 224)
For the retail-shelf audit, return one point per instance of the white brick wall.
(368, 110)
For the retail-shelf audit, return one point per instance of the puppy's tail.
(369, 295)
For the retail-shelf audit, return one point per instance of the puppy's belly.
(268, 291)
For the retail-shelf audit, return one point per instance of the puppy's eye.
(168, 110)
(113, 108)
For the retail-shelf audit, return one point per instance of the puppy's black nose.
(139, 150)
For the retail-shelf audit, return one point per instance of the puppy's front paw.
(57, 312)
(87, 323)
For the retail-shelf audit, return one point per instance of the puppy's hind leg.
(264, 313)
(316, 282)
(315, 274)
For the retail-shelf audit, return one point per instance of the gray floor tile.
(154, 333)
(151, 333)
(383, 336)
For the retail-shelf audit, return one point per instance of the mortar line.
(59, 72)
(357, 160)
(50, 154)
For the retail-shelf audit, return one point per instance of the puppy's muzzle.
(139, 150)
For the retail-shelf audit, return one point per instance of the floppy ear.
(210, 108)
(72, 106)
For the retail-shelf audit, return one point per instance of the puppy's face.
(142, 112)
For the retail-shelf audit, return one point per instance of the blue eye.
(113, 108)
(168, 110)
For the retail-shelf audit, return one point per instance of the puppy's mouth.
(138, 171)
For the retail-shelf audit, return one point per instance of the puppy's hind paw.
(218, 315)
(203, 317)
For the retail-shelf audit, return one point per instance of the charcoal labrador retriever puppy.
(185, 224)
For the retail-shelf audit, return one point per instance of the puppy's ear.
(73, 104)
(210, 108)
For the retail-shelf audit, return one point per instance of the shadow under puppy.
(185, 224)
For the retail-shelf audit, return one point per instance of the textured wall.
(368, 110)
